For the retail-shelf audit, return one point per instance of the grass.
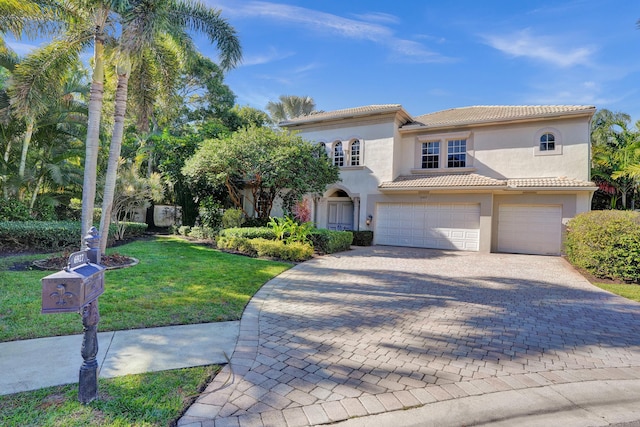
(177, 282)
(631, 292)
(152, 399)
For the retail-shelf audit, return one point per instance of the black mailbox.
(68, 290)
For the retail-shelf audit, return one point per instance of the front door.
(340, 215)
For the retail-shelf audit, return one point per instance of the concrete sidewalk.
(45, 362)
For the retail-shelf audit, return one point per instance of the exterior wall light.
(369, 219)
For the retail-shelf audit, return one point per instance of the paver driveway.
(380, 329)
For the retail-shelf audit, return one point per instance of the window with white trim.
(547, 142)
(338, 154)
(430, 155)
(355, 153)
(457, 153)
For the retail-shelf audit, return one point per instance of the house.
(482, 178)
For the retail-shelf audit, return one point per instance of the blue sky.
(434, 55)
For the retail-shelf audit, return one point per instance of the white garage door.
(530, 229)
(428, 225)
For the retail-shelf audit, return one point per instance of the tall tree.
(616, 156)
(150, 30)
(290, 107)
(262, 164)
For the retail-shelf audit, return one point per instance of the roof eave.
(351, 115)
(489, 122)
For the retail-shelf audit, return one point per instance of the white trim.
(557, 151)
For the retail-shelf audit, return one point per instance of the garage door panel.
(530, 229)
(428, 225)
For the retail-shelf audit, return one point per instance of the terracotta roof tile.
(496, 113)
(445, 180)
(548, 182)
(475, 180)
(347, 112)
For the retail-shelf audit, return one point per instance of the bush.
(249, 233)
(13, 210)
(606, 244)
(232, 218)
(132, 229)
(362, 238)
(240, 244)
(329, 241)
(255, 222)
(210, 215)
(206, 233)
(52, 236)
(293, 251)
(183, 230)
(40, 236)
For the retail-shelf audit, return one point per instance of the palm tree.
(155, 32)
(616, 154)
(290, 107)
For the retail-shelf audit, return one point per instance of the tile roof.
(548, 182)
(345, 113)
(474, 180)
(444, 180)
(496, 113)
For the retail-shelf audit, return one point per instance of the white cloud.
(22, 49)
(378, 17)
(270, 55)
(547, 49)
(330, 24)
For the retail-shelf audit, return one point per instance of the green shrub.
(202, 233)
(293, 251)
(605, 243)
(52, 236)
(13, 210)
(240, 244)
(255, 222)
(249, 233)
(209, 212)
(39, 235)
(329, 241)
(184, 230)
(232, 218)
(362, 238)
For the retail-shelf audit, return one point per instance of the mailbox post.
(76, 288)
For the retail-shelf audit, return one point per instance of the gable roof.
(488, 114)
(347, 113)
(454, 181)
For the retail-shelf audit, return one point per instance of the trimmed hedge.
(606, 244)
(51, 236)
(293, 251)
(329, 241)
(249, 232)
(362, 238)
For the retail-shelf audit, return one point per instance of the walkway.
(376, 330)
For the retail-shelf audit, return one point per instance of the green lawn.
(631, 292)
(152, 399)
(176, 282)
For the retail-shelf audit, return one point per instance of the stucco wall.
(509, 151)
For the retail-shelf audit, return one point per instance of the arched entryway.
(339, 211)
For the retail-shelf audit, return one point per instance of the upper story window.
(338, 154)
(457, 153)
(355, 153)
(430, 155)
(547, 142)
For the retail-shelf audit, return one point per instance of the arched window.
(547, 142)
(338, 154)
(355, 153)
(323, 149)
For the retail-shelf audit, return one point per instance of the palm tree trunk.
(23, 156)
(93, 138)
(114, 153)
(5, 187)
(35, 193)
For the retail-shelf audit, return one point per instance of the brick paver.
(380, 329)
